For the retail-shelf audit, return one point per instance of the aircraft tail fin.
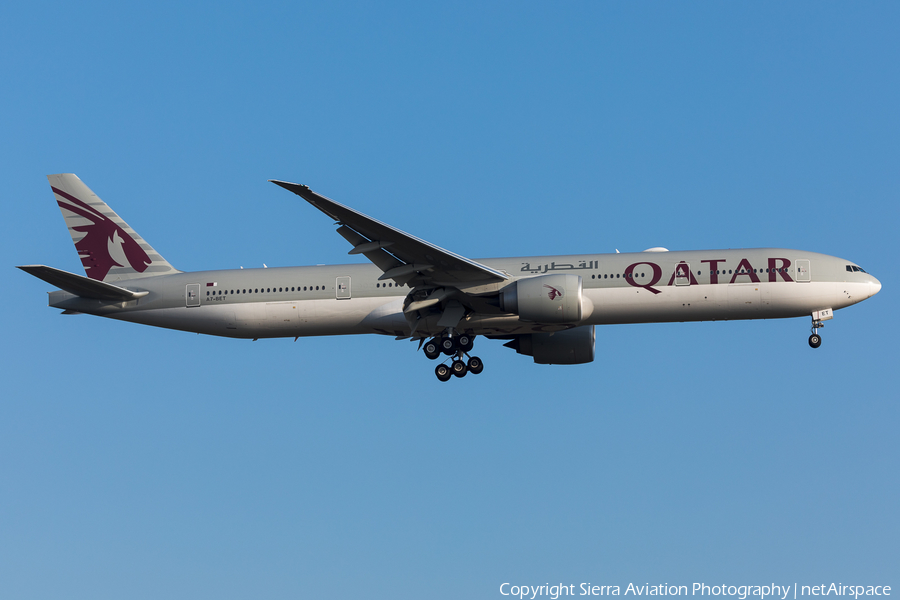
(110, 250)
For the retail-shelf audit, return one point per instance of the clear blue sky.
(142, 463)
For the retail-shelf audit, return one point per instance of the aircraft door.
(803, 270)
(682, 274)
(192, 294)
(342, 288)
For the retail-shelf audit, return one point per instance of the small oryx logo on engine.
(554, 293)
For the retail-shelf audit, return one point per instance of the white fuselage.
(644, 287)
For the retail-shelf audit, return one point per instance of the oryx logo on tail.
(105, 244)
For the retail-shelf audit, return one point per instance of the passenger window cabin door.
(342, 288)
(803, 271)
(192, 294)
(683, 274)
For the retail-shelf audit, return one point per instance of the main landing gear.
(457, 347)
(815, 340)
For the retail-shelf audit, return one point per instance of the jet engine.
(547, 299)
(569, 347)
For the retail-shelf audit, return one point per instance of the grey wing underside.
(404, 258)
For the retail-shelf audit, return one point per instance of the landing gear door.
(803, 270)
(192, 294)
(342, 288)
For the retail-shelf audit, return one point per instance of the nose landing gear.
(815, 340)
(818, 316)
(457, 347)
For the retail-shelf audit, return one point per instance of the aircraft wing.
(404, 258)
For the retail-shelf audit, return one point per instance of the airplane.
(545, 307)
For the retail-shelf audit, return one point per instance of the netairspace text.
(741, 592)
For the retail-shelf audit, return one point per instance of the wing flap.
(378, 256)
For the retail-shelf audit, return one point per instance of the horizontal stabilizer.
(81, 286)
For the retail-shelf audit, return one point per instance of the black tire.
(448, 346)
(432, 349)
(815, 340)
(459, 368)
(475, 365)
(466, 342)
(443, 372)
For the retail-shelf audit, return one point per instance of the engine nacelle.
(546, 299)
(569, 347)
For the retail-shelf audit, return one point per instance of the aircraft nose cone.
(875, 287)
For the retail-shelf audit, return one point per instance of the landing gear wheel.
(475, 365)
(443, 372)
(465, 342)
(448, 346)
(815, 340)
(432, 349)
(459, 368)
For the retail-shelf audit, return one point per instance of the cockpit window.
(854, 268)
